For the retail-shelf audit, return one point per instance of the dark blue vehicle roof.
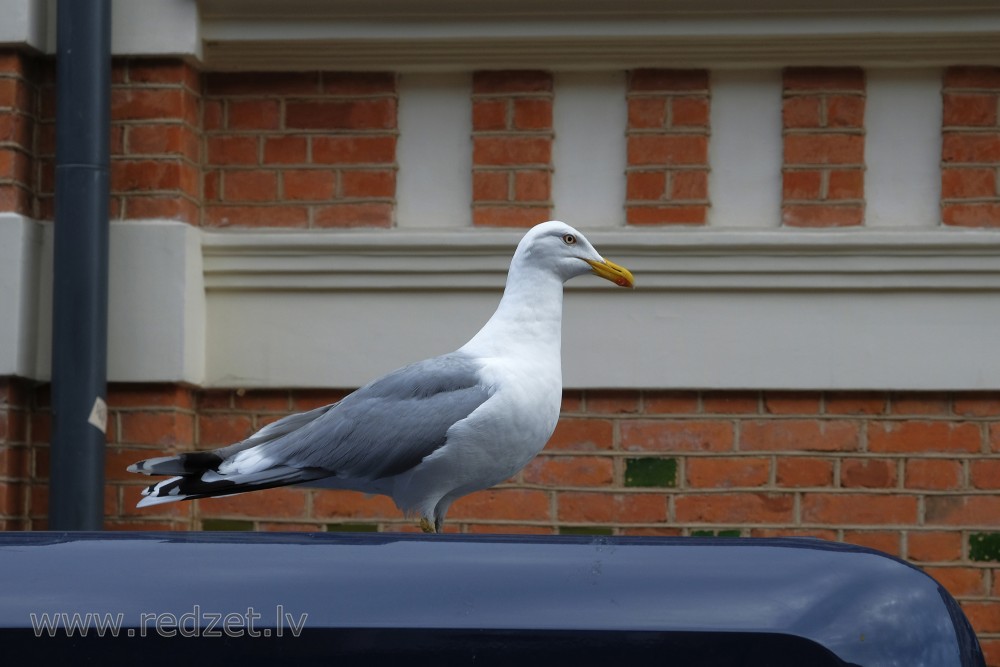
(490, 599)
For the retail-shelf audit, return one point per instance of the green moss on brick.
(732, 532)
(984, 547)
(226, 524)
(352, 527)
(586, 530)
(650, 471)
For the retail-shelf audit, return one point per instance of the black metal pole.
(80, 284)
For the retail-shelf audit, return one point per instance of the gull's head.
(558, 247)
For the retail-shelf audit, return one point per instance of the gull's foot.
(426, 526)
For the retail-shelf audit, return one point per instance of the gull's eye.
(569, 239)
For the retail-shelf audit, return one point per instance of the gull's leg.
(426, 526)
(438, 524)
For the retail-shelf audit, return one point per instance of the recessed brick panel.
(511, 148)
(667, 147)
(970, 150)
(822, 117)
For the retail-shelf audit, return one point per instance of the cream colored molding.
(596, 34)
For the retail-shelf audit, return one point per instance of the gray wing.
(384, 428)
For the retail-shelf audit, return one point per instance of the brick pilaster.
(823, 175)
(511, 148)
(18, 97)
(667, 135)
(970, 174)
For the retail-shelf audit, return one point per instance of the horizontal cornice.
(781, 260)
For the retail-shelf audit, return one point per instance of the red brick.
(934, 546)
(855, 403)
(803, 472)
(490, 114)
(984, 616)
(163, 139)
(168, 206)
(646, 185)
(354, 150)
(613, 402)
(212, 115)
(309, 399)
(984, 474)
(799, 184)
(256, 216)
(686, 185)
(508, 504)
(490, 185)
(972, 77)
(656, 435)
(972, 215)
(689, 112)
(968, 183)
(355, 215)
(368, 183)
(135, 175)
(506, 529)
(923, 403)
(647, 113)
(868, 473)
(509, 216)
(582, 434)
(147, 104)
(231, 150)
(735, 508)
(359, 83)
(245, 186)
(667, 149)
(262, 400)
(730, 402)
(253, 114)
(163, 429)
(858, 508)
(792, 403)
(824, 78)
(958, 510)
(724, 473)
(15, 128)
(966, 147)
(658, 531)
(886, 541)
(801, 111)
(532, 185)
(923, 436)
(612, 508)
(149, 396)
(161, 71)
(670, 402)
(511, 150)
(532, 114)
(846, 184)
(959, 581)
(977, 404)
(668, 80)
(285, 150)
(271, 503)
(845, 111)
(352, 505)
(572, 401)
(818, 533)
(822, 216)
(570, 471)
(511, 81)
(798, 435)
(360, 114)
(308, 184)
(816, 149)
(933, 474)
(290, 526)
(15, 461)
(970, 110)
(253, 83)
(666, 215)
(222, 429)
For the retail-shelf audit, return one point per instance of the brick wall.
(970, 175)
(511, 148)
(309, 149)
(823, 176)
(667, 147)
(18, 116)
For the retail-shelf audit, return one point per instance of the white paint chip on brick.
(744, 149)
(434, 151)
(589, 118)
(903, 148)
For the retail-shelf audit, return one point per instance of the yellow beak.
(619, 275)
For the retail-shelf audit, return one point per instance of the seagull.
(431, 432)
